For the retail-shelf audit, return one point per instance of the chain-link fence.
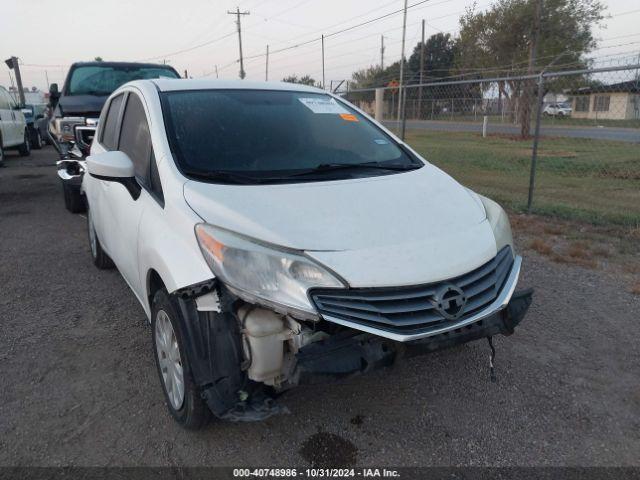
(563, 143)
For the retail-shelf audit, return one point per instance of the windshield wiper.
(225, 176)
(329, 167)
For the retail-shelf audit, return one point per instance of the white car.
(274, 234)
(557, 110)
(13, 127)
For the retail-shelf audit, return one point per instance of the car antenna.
(492, 357)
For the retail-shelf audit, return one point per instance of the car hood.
(82, 105)
(397, 229)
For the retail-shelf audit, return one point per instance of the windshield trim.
(263, 177)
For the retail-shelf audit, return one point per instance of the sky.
(199, 35)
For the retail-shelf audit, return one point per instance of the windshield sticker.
(349, 117)
(381, 141)
(321, 105)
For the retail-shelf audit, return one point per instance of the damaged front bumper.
(355, 353)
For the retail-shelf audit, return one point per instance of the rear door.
(18, 120)
(7, 123)
(98, 193)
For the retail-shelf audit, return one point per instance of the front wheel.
(25, 148)
(73, 199)
(182, 396)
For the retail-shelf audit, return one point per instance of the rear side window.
(135, 139)
(109, 137)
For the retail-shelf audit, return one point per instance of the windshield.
(276, 135)
(103, 80)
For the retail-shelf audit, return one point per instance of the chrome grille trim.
(491, 292)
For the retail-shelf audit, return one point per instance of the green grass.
(581, 179)
(546, 121)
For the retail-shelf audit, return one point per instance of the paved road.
(595, 133)
(79, 385)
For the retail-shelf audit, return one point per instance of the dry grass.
(553, 229)
(541, 246)
(579, 250)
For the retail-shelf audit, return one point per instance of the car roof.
(170, 85)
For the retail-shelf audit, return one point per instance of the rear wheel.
(36, 139)
(25, 148)
(182, 396)
(99, 256)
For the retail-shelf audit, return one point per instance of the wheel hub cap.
(169, 359)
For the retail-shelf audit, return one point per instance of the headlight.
(263, 274)
(499, 222)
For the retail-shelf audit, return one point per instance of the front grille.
(410, 310)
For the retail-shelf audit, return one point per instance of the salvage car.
(276, 235)
(76, 111)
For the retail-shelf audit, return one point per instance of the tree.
(439, 56)
(98, 59)
(306, 80)
(498, 42)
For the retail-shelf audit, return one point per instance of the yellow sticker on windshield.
(349, 117)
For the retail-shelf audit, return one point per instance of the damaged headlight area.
(499, 222)
(264, 274)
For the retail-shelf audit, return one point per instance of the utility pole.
(400, 88)
(266, 67)
(323, 83)
(46, 75)
(381, 52)
(525, 118)
(216, 66)
(237, 13)
(421, 73)
(12, 63)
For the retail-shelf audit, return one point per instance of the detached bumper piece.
(355, 352)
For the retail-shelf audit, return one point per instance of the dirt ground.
(79, 386)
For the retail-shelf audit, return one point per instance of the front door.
(122, 209)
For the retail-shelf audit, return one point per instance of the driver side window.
(135, 141)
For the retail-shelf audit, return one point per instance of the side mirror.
(116, 167)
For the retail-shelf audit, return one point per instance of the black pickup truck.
(77, 109)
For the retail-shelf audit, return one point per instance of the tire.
(73, 199)
(98, 255)
(182, 396)
(25, 148)
(36, 140)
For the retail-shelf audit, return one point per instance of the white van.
(13, 128)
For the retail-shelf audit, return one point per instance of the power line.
(185, 50)
(367, 22)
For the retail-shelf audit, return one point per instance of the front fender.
(172, 252)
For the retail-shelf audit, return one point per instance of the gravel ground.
(79, 386)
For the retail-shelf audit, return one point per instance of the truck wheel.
(99, 256)
(25, 148)
(36, 139)
(73, 199)
(181, 394)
